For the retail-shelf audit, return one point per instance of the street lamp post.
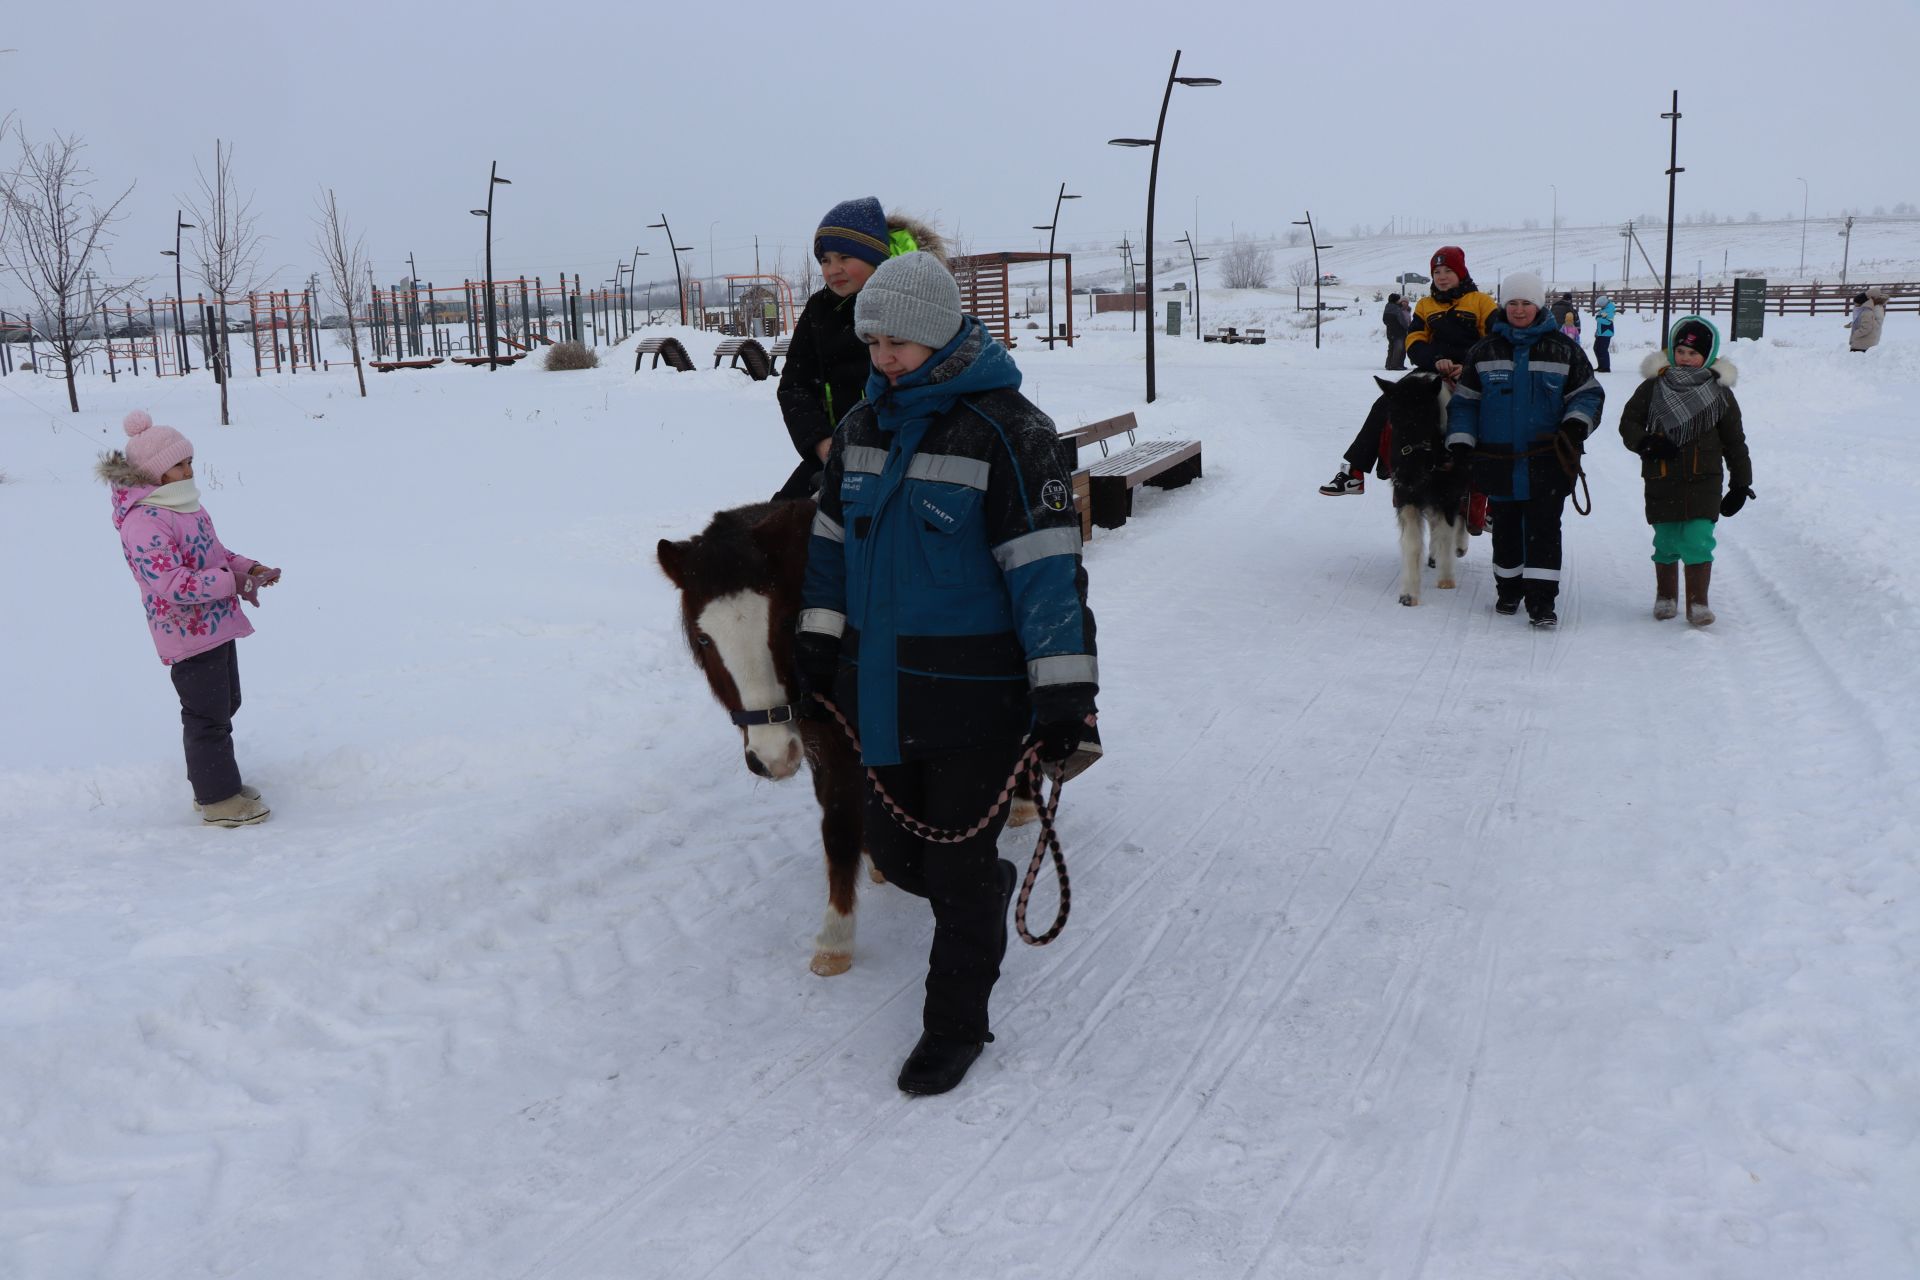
(1674, 170)
(1187, 240)
(678, 249)
(493, 333)
(711, 277)
(1553, 269)
(179, 313)
(1313, 238)
(1804, 189)
(1052, 229)
(1153, 177)
(1847, 252)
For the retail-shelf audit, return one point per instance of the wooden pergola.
(985, 294)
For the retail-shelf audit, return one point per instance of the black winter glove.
(1656, 447)
(1460, 454)
(1736, 498)
(1575, 436)
(1060, 720)
(817, 660)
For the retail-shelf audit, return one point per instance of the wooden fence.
(1782, 299)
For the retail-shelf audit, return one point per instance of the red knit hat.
(1452, 257)
(154, 450)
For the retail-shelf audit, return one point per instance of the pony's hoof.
(1446, 586)
(830, 964)
(1409, 600)
(1022, 812)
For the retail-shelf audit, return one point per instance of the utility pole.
(1847, 252)
(1626, 254)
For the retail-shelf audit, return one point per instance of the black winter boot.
(937, 1064)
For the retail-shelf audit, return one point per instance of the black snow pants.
(1526, 549)
(960, 881)
(1600, 357)
(1363, 455)
(1396, 353)
(209, 688)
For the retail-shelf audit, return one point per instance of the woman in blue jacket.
(945, 614)
(1603, 312)
(1527, 397)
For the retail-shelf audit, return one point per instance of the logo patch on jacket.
(1053, 495)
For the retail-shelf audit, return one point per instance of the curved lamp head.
(1129, 142)
(1197, 82)
(168, 253)
(1069, 196)
(479, 213)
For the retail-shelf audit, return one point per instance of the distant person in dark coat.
(827, 365)
(1395, 318)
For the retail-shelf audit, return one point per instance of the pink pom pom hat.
(154, 450)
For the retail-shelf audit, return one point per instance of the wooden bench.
(1253, 337)
(1108, 483)
(388, 366)
(1164, 464)
(747, 354)
(778, 349)
(668, 349)
(472, 361)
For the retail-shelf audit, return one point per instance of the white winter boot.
(237, 810)
(251, 793)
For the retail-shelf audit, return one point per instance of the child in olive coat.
(1685, 424)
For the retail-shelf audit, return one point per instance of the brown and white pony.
(739, 582)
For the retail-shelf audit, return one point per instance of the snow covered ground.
(1407, 942)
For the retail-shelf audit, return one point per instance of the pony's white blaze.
(738, 625)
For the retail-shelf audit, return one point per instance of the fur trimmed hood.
(1723, 368)
(114, 469)
(929, 240)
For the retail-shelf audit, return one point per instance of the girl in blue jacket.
(944, 612)
(1521, 413)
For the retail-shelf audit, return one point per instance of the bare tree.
(345, 257)
(53, 232)
(1300, 272)
(227, 251)
(1246, 265)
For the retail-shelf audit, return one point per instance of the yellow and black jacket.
(1446, 324)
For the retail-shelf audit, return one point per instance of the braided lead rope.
(1027, 766)
(1049, 842)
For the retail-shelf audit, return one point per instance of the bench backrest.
(1100, 432)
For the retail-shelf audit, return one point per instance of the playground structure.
(986, 295)
(759, 305)
(420, 320)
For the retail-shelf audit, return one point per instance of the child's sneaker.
(1344, 482)
(237, 810)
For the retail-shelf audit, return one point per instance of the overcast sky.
(737, 117)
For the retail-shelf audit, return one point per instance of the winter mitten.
(1062, 720)
(1574, 435)
(1459, 455)
(250, 590)
(1655, 447)
(817, 659)
(1736, 498)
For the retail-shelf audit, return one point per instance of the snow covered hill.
(1406, 942)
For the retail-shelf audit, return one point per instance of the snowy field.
(1406, 942)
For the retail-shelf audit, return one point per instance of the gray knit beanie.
(912, 298)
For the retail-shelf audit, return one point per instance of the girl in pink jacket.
(191, 587)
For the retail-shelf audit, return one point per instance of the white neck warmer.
(182, 496)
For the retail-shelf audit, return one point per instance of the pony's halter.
(785, 713)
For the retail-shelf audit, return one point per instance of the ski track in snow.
(1398, 934)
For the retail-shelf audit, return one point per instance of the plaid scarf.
(1687, 403)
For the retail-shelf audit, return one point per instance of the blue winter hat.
(857, 228)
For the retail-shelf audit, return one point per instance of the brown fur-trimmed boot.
(1698, 576)
(1666, 591)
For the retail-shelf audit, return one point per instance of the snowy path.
(1407, 942)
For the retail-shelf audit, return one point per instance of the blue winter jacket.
(945, 558)
(1603, 328)
(1520, 386)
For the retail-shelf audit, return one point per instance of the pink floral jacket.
(188, 582)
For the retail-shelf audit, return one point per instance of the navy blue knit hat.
(857, 228)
